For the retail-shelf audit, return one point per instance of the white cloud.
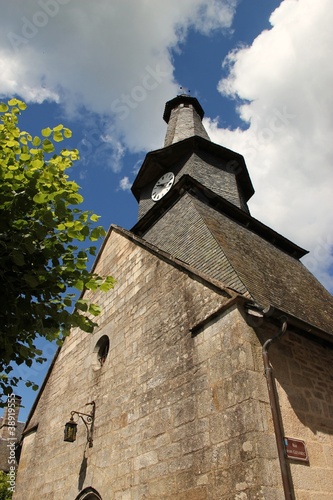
(125, 184)
(286, 77)
(111, 57)
(101, 149)
(214, 15)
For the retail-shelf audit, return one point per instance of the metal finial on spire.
(184, 91)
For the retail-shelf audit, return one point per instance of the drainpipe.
(273, 399)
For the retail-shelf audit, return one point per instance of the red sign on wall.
(296, 449)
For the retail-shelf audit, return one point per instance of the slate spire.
(183, 115)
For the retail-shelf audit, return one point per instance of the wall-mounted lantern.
(87, 419)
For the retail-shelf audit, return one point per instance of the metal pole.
(273, 399)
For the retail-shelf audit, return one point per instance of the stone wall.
(144, 393)
(182, 407)
(304, 379)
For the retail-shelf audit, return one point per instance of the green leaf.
(3, 107)
(13, 102)
(31, 280)
(37, 164)
(107, 285)
(12, 143)
(75, 198)
(60, 208)
(25, 157)
(92, 285)
(48, 146)
(66, 153)
(79, 285)
(28, 244)
(81, 264)
(58, 137)
(36, 141)
(46, 132)
(35, 151)
(84, 216)
(94, 217)
(82, 305)
(18, 258)
(22, 105)
(85, 232)
(41, 232)
(95, 234)
(41, 198)
(94, 309)
(75, 155)
(67, 133)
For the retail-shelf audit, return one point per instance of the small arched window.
(102, 349)
(89, 494)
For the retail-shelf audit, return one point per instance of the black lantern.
(70, 431)
(87, 419)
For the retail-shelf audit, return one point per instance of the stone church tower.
(210, 374)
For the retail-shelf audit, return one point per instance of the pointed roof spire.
(183, 115)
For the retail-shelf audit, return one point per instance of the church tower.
(210, 374)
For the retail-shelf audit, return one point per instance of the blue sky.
(260, 69)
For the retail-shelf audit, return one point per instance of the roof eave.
(188, 184)
(160, 160)
(276, 315)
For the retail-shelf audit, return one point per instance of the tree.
(41, 251)
(5, 492)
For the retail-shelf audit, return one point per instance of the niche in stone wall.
(101, 351)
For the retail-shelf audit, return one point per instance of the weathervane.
(184, 91)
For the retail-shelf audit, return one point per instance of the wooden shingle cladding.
(270, 275)
(183, 232)
(184, 120)
(263, 266)
(215, 167)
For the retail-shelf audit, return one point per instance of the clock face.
(162, 186)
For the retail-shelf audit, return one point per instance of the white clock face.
(162, 186)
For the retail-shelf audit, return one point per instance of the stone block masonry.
(178, 416)
(304, 377)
